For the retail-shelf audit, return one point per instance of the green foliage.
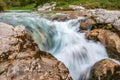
(2, 3)
(108, 4)
(27, 7)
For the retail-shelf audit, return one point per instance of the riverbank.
(88, 4)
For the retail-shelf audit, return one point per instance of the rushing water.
(62, 40)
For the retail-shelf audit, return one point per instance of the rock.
(75, 14)
(85, 25)
(21, 59)
(47, 6)
(14, 42)
(35, 69)
(76, 7)
(60, 17)
(105, 69)
(102, 16)
(63, 9)
(63, 15)
(117, 24)
(109, 39)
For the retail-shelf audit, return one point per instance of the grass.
(89, 4)
(27, 7)
(107, 4)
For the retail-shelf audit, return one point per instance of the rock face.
(105, 70)
(15, 43)
(20, 58)
(109, 39)
(102, 16)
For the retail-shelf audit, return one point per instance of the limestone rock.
(47, 6)
(76, 7)
(84, 25)
(117, 24)
(102, 16)
(21, 59)
(109, 39)
(60, 17)
(34, 69)
(105, 70)
(14, 42)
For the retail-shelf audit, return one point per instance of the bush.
(2, 3)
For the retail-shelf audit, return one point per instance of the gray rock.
(75, 7)
(117, 24)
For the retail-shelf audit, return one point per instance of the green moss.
(27, 7)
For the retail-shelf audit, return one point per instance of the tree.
(2, 5)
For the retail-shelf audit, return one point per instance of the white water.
(63, 41)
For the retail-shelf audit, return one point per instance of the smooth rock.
(85, 25)
(105, 69)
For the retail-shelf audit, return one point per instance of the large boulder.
(15, 42)
(109, 39)
(21, 59)
(105, 69)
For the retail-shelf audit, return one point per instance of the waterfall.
(62, 40)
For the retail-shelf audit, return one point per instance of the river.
(61, 39)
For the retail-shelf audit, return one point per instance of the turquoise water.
(62, 40)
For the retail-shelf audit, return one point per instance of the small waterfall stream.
(62, 40)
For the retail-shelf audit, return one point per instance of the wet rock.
(87, 24)
(21, 59)
(60, 17)
(109, 39)
(105, 70)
